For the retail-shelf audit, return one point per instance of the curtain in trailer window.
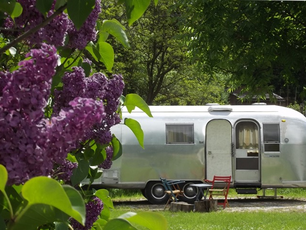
(179, 134)
(246, 136)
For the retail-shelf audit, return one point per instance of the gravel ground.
(235, 205)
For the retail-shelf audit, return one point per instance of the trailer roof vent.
(220, 108)
(259, 103)
(210, 104)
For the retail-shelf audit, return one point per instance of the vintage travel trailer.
(260, 146)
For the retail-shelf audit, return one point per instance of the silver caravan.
(260, 146)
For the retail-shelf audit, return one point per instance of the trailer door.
(218, 148)
(247, 151)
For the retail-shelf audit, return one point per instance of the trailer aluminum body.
(260, 146)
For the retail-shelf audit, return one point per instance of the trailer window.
(179, 134)
(271, 136)
(246, 135)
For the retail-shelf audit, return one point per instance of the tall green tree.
(157, 66)
(260, 45)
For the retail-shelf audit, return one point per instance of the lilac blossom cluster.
(58, 29)
(29, 143)
(93, 210)
(107, 163)
(64, 171)
(79, 38)
(97, 87)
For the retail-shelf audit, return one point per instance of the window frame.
(272, 145)
(190, 136)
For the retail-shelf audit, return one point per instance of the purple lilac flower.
(93, 210)
(29, 143)
(65, 131)
(64, 171)
(79, 38)
(54, 33)
(22, 100)
(97, 87)
(107, 163)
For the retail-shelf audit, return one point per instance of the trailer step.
(246, 191)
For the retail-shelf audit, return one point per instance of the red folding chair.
(220, 187)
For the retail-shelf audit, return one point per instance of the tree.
(156, 50)
(259, 45)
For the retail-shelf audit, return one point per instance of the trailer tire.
(143, 191)
(190, 193)
(155, 193)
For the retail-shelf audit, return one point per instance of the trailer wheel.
(143, 191)
(155, 193)
(190, 193)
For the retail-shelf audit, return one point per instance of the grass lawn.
(230, 220)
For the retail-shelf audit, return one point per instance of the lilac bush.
(58, 29)
(30, 143)
(49, 111)
(97, 87)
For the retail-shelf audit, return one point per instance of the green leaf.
(87, 68)
(2, 223)
(150, 220)
(17, 10)
(37, 215)
(88, 153)
(155, 2)
(44, 6)
(99, 224)
(3, 178)
(132, 100)
(135, 9)
(136, 129)
(80, 173)
(57, 79)
(107, 55)
(60, 3)
(71, 158)
(118, 224)
(117, 148)
(47, 201)
(103, 195)
(76, 200)
(102, 36)
(79, 10)
(99, 157)
(15, 196)
(94, 174)
(7, 6)
(61, 226)
(114, 28)
(92, 49)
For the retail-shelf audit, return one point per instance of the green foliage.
(136, 129)
(132, 100)
(78, 11)
(150, 220)
(44, 6)
(258, 44)
(40, 195)
(12, 8)
(135, 9)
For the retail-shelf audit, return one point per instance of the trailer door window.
(246, 135)
(271, 136)
(179, 134)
